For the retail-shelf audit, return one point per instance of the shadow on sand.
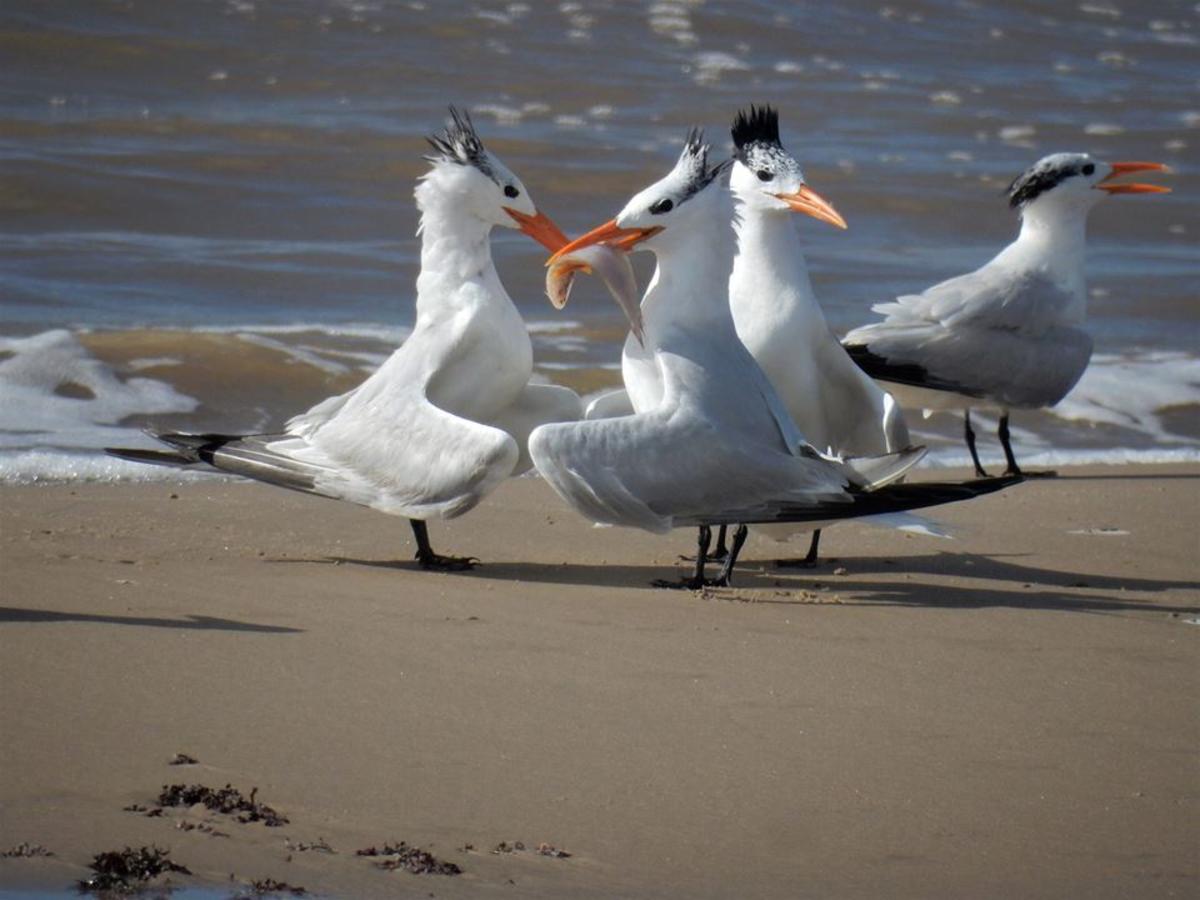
(1025, 587)
(544, 573)
(1132, 476)
(1001, 567)
(205, 623)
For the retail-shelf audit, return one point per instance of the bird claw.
(437, 563)
(1045, 473)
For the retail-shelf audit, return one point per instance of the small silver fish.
(614, 270)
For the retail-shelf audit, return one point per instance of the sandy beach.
(1009, 713)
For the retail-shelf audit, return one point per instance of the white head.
(1072, 183)
(765, 177)
(474, 181)
(664, 210)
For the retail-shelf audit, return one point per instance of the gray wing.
(979, 335)
(675, 464)
(991, 297)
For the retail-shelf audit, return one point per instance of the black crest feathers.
(758, 126)
(458, 143)
(1044, 175)
(694, 159)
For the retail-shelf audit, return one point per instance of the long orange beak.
(540, 227)
(809, 202)
(1126, 168)
(609, 233)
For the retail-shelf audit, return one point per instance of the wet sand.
(1011, 713)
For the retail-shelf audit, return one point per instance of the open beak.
(609, 233)
(540, 227)
(809, 202)
(1127, 168)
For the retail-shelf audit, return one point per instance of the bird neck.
(1053, 239)
(455, 245)
(770, 255)
(691, 283)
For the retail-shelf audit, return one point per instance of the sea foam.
(53, 393)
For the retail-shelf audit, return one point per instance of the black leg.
(722, 551)
(809, 561)
(1002, 433)
(725, 578)
(430, 560)
(969, 434)
(1010, 458)
(718, 554)
(703, 542)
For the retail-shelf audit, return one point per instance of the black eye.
(510, 191)
(662, 206)
(1089, 169)
(764, 175)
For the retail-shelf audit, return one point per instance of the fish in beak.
(612, 265)
(809, 202)
(1128, 168)
(540, 227)
(610, 233)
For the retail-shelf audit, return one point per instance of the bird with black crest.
(838, 408)
(1009, 335)
(709, 442)
(447, 416)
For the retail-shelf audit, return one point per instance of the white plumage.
(709, 441)
(447, 416)
(1009, 335)
(837, 407)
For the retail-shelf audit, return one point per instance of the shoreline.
(1009, 713)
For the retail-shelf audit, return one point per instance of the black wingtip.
(884, 369)
(152, 457)
(891, 498)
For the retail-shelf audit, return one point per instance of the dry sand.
(1009, 714)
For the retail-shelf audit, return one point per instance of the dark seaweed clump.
(543, 849)
(227, 800)
(266, 886)
(127, 871)
(26, 849)
(411, 859)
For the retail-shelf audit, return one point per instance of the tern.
(446, 418)
(1009, 335)
(837, 407)
(709, 442)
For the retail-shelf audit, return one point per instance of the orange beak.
(1126, 168)
(609, 233)
(540, 227)
(809, 202)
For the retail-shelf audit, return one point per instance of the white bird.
(446, 418)
(1009, 335)
(709, 441)
(837, 407)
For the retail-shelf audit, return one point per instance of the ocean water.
(206, 218)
